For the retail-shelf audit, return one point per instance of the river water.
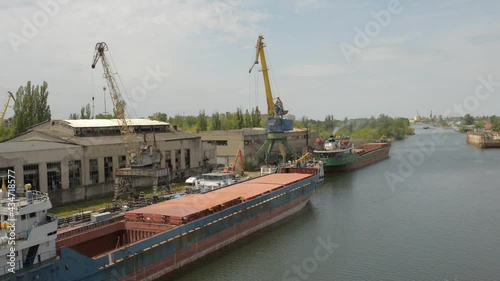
(429, 212)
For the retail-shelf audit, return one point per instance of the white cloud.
(317, 70)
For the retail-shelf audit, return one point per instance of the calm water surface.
(436, 218)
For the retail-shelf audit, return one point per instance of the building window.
(94, 171)
(217, 142)
(74, 172)
(4, 174)
(122, 161)
(31, 176)
(187, 158)
(108, 169)
(168, 160)
(54, 176)
(177, 159)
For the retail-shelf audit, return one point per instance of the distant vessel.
(339, 155)
(426, 127)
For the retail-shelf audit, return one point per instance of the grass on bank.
(97, 204)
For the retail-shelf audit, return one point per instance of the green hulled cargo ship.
(339, 155)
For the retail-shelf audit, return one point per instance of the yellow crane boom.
(271, 110)
(9, 96)
(275, 125)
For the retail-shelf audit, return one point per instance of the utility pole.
(104, 91)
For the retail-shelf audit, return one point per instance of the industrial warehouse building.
(76, 159)
(250, 140)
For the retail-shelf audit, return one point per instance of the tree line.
(215, 121)
(361, 129)
(30, 108)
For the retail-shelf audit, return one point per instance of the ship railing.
(50, 218)
(38, 196)
(89, 226)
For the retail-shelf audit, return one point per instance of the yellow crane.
(9, 96)
(275, 125)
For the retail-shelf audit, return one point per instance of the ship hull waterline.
(332, 165)
(163, 253)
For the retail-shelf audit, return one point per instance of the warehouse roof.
(94, 123)
(24, 146)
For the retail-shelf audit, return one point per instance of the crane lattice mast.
(118, 102)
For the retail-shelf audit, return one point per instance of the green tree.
(159, 116)
(256, 117)
(202, 122)
(239, 119)
(30, 107)
(495, 123)
(480, 124)
(215, 122)
(86, 112)
(102, 116)
(6, 132)
(468, 119)
(329, 123)
(247, 120)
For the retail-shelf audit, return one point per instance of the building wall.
(18, 160)
(250, 140)
(227, 143)
(99, 151)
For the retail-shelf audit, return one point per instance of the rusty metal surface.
(198, 203)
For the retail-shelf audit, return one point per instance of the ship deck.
(193, 206)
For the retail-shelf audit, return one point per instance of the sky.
(326, 57)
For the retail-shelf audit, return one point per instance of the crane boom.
(275, 124)
(116, 98)
(144, 156)
(9, 96)
(271, 110)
